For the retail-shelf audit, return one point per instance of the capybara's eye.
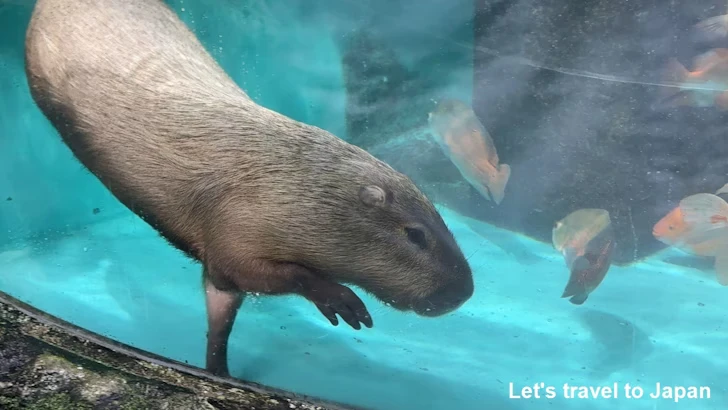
(417, 237)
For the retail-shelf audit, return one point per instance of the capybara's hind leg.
(222, 307)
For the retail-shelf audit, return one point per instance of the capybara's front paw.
(332, 298)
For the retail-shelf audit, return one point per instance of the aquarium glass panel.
(526, 198)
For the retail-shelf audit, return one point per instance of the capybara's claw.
(333, 299)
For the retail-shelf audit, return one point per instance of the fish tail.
(675, 72)
(579, 298)
(577, 287)
(497, 187)
(574, 287)
(670, 95)
(722, 190)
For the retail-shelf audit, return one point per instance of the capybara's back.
(267, 204)
(132, 101)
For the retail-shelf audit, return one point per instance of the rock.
(53, 365)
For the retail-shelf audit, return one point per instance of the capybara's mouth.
(429, 309)
(445, 300)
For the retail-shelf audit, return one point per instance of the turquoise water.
(652, 322)
(69, 248)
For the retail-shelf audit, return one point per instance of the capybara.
(266, 204)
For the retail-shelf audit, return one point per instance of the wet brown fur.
(266, 203)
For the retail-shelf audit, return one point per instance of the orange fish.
(465, 141)
(586, 240)
(706, 86)
(699, 224)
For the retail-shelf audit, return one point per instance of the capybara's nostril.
(447, 298)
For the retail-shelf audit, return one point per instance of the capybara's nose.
(447, 298)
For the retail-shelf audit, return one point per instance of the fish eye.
(417, 237)
(670, 227)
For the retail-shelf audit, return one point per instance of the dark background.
(572, 141)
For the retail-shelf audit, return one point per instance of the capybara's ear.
(374, 196)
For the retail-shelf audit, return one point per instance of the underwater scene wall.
(576, 150)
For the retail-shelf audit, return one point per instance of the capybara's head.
(372, 227)
(416, 263)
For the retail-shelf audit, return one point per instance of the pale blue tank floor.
(652, 322)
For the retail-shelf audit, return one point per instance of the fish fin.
(480, 191)
(570, 255)
(675, 72)
(704, 212)
(722, 190)
(672, 95)
(582, 262)
(721, 269)
(579, 299)
(498, 186)
(574, 286)
(489, 143)
(713, 28)
(591, 258)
